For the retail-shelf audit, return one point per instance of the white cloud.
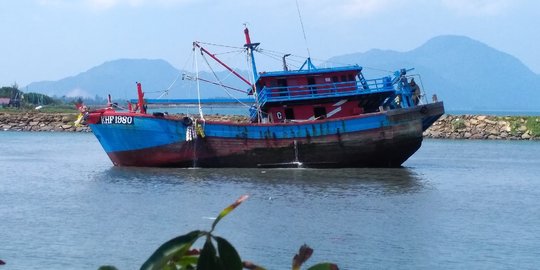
(479, 7)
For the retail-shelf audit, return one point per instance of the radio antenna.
(303, 30)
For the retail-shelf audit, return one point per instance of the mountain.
(464, 73)
(118, 78)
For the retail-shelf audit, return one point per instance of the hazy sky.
(53, 39)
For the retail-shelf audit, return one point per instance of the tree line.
(19, 98)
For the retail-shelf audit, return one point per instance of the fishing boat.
(310, 117)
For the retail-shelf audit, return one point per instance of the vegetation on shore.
(20, 101)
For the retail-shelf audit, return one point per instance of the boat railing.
(326, 90)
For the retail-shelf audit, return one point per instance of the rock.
(480, 117)
(467, 135)
(490, 122)
(477, 136)
(46, 128)
(522, 128)
(66, 126)
(66, 119)
(33, 123)
(526, 136)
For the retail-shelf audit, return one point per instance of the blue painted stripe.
(151, 132)
(145, 132)
(195, 101)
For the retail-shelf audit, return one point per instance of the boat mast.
(140, 95)
(251, 47)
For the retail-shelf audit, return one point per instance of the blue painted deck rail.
(315, 91)
(195, 101)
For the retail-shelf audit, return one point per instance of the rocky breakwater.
(485, 127)
(36, 121)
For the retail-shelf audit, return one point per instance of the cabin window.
(351, 77)
(319, 112)
(289, 113)
(282, 84)
(343, 78)
(335, 79)
(311, 82)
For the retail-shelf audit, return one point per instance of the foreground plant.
(178, 254)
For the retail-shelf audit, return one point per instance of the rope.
(220, 83)
(303, 30)
(220, 45)
(235, 51)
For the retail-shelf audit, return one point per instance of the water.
(455, 204)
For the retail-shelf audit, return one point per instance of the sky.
(53, 39)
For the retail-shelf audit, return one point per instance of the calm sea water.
(454, 205)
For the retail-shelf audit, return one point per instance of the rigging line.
(219, 45)
(230, 73)
(188, 60)
(379, 69)
(228, 87)
(292, 56)
(303, 30)
(166, 91)
(279, 58)
(235, 51)
(220, 83)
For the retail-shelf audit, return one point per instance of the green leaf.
(208, 259)
(227, 210)
(228, 255)
(324, 266)
(188, 261)
(103, 267)
(175, 247)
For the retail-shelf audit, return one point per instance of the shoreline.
(467, 126)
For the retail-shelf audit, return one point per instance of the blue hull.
(378, 139)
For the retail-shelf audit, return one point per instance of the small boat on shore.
(310, 117)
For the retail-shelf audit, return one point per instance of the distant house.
(4, 102)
